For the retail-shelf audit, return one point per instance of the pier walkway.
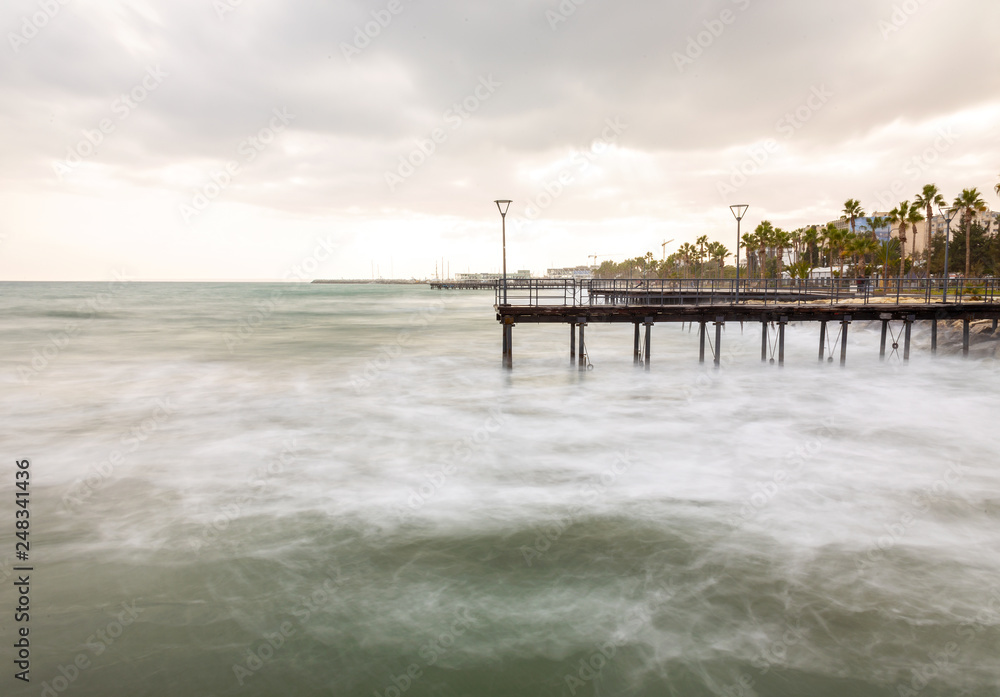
(773, 303)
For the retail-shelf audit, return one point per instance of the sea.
(311, 489)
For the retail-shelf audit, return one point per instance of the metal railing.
(725, 291)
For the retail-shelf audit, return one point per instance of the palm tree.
(852, 211)
(970, 202)
(900, 214)
(702, 242)
(781, 240)
(835, 238)
(764, 232)
(927, 199)
(811, 239)
(866, 246)
(750, 243)
(718, 252)
(914, 217)
(885, 256)
(687, 251)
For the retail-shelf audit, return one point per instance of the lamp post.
(503, 205)
(948, 216)
(739, 211)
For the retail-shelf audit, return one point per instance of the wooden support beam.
(844, 323)
(907, 323)
(649, 340)
(572, 343)
(881, 343)
(763, 341)
(822, 340)
(635, 349)
(965, 337)
(933, 336)
(782, 321)
(582, 351)
(719, 321)
(701, 342)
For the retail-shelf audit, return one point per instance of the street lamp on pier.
(503, 205)
(948, 216)
(739, 210)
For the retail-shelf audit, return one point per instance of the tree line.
(772, 252)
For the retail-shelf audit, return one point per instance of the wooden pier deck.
(643, 303)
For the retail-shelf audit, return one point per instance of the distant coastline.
(380, 281)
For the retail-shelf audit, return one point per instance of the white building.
(573, 272)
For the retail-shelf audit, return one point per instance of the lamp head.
(948, 214)
(739, 210)
(502, 205)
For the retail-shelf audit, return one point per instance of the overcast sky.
(241, 139)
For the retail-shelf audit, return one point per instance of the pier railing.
(726, 291)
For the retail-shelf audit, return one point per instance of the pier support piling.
(907, 323)
(572, 343)
(763, 341)
(822, 340)
(719, 321)
(635, 347)
(649, 337)
(781, 340)
(881, 343)
(701, 342)
(965, 337)
(508, 341)
(582, 352)
(843, 339)
(933, 336)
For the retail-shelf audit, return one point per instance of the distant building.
(571, 272)
(492, 276)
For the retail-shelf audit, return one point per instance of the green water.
(251, 489)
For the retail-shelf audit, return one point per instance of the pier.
(833, 304)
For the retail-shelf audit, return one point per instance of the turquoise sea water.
(256, 489)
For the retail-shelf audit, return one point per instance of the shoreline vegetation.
(851, 249)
